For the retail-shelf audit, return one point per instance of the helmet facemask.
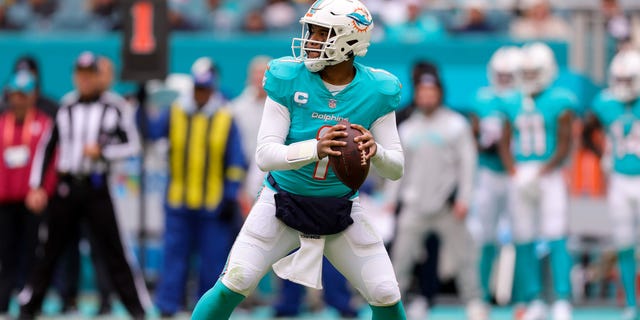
(348, 25)
(504, 69)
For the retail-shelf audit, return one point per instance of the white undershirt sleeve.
(389, 159)
(272, 153)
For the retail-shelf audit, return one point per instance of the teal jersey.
(372, 94)
(534, 122)
(622, 122)
(486, 106)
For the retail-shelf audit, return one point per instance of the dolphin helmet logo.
(361, 19)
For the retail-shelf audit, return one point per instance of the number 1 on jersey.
(322, 166)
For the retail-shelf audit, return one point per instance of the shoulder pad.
(285, 68)
(386, 83)
(604, 98)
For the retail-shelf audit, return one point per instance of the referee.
(91, 129)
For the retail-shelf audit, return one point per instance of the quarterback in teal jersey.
(303, 205)
(617, 110)
(492, 183)
(538, 131)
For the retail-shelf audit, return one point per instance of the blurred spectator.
(254, 22)
(22, 127)
(280, 15)
(29, 63)
(106, 14)
(415, 26)
(184, 14)
(223, 16)
(206, 167)
(440, 203)
(539, 22)
(474, 18)
(619, 25)
(32, 14)
(4, 23)
(82, 192)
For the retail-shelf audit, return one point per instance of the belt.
(96, 179)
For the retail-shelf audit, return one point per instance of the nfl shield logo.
(332, 103)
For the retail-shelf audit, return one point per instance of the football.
(351, 167)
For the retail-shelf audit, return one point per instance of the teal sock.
(487, 255)
(217, 303)
(526, 282)
(560, 268)
(393, 312)
(627, 263)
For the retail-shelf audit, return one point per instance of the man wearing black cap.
(92, 128)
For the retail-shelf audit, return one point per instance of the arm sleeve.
(272, 153)
(43, 156)
(467, 156)
(389, 159)
(129, 143)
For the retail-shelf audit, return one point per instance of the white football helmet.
(539, 67)
(504, 68)
(624, 75)
(349, 23)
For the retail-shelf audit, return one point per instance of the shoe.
(418, 309)
(537, 310)
(562, 310)
(630, 313)
(477, 310)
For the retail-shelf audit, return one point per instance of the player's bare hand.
(36, 200)
(460, 210)
(92, 151)
(366, 141)
(327, 140)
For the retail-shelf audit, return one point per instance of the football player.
(538, 128)
(617, 110)
(308, 95)
(490, 196)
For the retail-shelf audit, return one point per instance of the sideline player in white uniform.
(617, 109)
(492, 182)
(307, 96)
(539, 131)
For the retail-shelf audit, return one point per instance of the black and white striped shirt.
(107, 121)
